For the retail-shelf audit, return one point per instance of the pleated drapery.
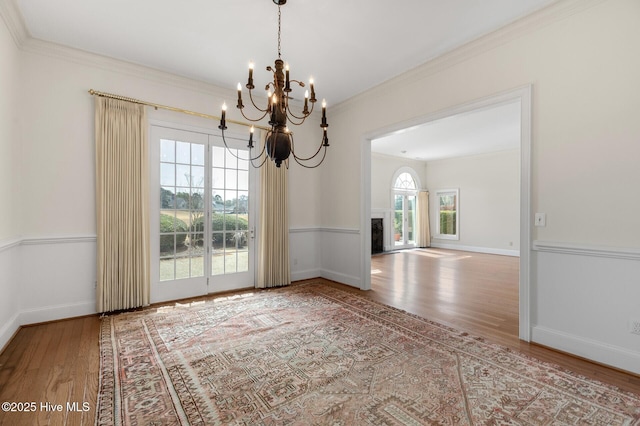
(273, 252)
(122, 205)
(422, 220)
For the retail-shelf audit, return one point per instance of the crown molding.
(82, 57)
(528, 24)
(14, 21)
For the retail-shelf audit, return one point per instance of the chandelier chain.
(279, 20)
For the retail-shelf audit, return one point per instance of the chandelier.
(279, 144)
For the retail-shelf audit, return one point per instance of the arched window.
(405, 181)
(404, 190)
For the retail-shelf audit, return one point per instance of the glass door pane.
(181, 210)
(232, 222)
(398, 221)
(404, 219)
(410, 220)
(178, 207)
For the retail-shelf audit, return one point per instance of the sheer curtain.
(273, 252)
(122, 205)
(422, 220)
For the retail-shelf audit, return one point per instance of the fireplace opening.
(377, 236)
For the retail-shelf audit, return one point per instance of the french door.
(202, 214)
(404, 220)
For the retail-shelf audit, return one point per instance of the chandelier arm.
(324, 154)
(254, 120)
(304, 117)
(293, 152)
(266, 111)
(290, 114)
(258, 156)
(235, 155)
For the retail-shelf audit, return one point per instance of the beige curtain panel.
(273, 253)
(122, 205)
(422, 220)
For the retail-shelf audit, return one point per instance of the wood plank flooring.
(54, 363)
(472, 292)
(58, 362)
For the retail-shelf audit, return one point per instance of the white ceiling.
(347, 46)
(477, 132)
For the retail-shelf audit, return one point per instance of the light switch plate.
(541, 219)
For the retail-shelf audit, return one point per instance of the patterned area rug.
(316, 355)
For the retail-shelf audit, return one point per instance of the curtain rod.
(169, 108)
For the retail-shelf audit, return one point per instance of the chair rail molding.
(626, 253)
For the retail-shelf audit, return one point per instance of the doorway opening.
(521, 99)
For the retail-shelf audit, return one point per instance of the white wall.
(9, 106)
(53, 255)
(579, 58)
(489, 200)
(9, 243)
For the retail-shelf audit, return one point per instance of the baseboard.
(341, 278)
(306, 274)
(8, 331)
(57, 312)
(590, 349)
(475, 249)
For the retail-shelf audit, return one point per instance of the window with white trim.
(448, 214)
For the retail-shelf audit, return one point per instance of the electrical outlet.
(634, 326)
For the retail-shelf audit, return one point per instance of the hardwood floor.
(59, 362)
(472, 292)
(54, 363)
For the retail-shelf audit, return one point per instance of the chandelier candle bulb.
(223, 121)
(324, 115)
(250, 80)
(313, 92)
(240, 105)
(287, 86)
(325, 139)
(250, 138)
(305, 110)
(274, 102)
